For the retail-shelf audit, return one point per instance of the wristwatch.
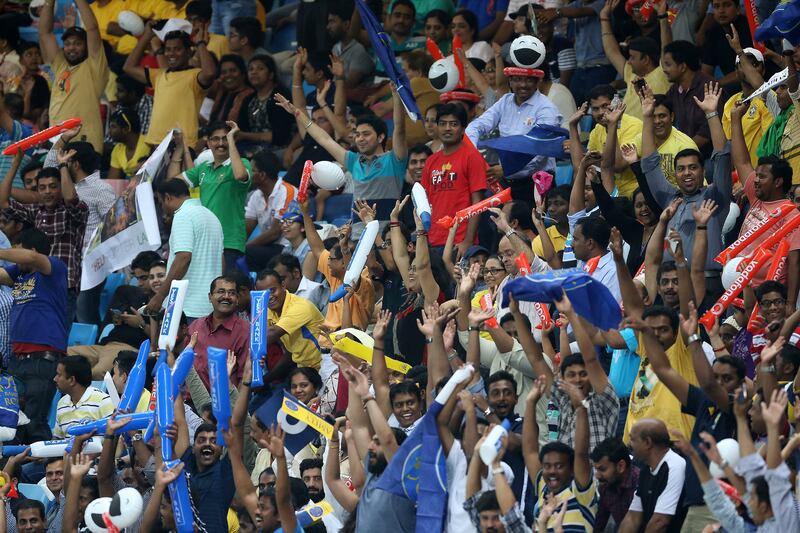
(136, 437)
(767, 369)
(488, 411)
(693, 338)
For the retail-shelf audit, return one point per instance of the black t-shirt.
(311, 151)
(125, 298)
(716, 50)
(710, 419)
(40, 96)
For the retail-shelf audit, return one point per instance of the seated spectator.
(245, 38)
(716, 52)
(129, 147)
(80, 402)
(233, 90)
(35, 89)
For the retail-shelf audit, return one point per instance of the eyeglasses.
(777, 302)
(225, 292)
(217, 139)
(492, 271)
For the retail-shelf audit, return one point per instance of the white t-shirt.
(266, 211)
(667, 501)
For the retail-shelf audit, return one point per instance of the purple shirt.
(615, 500)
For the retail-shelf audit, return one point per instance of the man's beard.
(376, 464)
(317, 496)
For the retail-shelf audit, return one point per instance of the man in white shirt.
(288, 266)
(590, 245)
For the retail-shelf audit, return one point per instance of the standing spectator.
(56, 210)
(81, 402)
(195, 248)
(263, 121)
(223, 328)
(179, 89)
(81, 71)
(618, 479)
(454, 177)
(643, 63)
(295, 322)
(245, 38)
(288, 268)
(358, 66)
(226, 11)
(38, 326)
(490, 15)
(224, 182)
(377, 174)
(515, 113)
(716, 52)
(655, 504)
(200, 14)
(681, 63)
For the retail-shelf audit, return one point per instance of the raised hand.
(682, 443)
(579, 114)
(230, 362)
(469, 280)
(427, 326)
(114, 423)
(711, 95)
(322, 94)
(234, 129)
(357, 380)
(500, 220)
(741, 401)
(165, 477)
(65, 156)
(771, 350)
(615, 243)
(614, 115)
(563, 305)
(537, 389)
(300, 59)
(634, 323)
(648, 101)
(609, 8)
(629, 153)
(739, 109)
(669, 212)
(689, 324)
(365, 212)
(575, 394)
(709, 447)
(449, 336)
(734, 41)
(478, 316)
(398, 206)
(773, 413)
(465, 397)
(382, 324)
(677, 253)
(273, 440)
(337, 66)
(285, 104)
(79, 466)
(704, 213)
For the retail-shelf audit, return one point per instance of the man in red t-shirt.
(766, 187)
(453, 178)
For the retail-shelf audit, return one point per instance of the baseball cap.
(523, 10)
(475, 250)
(752, 52)
(293, 212)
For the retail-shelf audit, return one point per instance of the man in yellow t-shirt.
(179, 89)
(81, 72)
(293, 320)
(650, 398)
(669, 139)
(758, 117)
(629, 132)
(106, 12)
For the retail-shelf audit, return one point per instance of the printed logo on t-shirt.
(63, 81)
(24, 291)
(443, 179)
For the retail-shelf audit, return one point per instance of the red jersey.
(449, 180)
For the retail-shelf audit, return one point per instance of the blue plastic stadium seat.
(113, 282)
(563, 174)
(284, 39)
(256, 232)
(106, 331)
(82, 334)
(99, 385)
(33, 491)
(339, 207)
(51, 416)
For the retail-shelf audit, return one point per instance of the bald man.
(655, 506)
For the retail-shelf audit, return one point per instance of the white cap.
(752, 52)
(174, 25)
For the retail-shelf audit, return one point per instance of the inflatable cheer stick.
(57, 448)
(774, 273)
(11, 449)
(421, 205)
(545, 320)
(476, 209)
(433, 49)
(736, 287)
(457, 45)
(486, 305)
(137, 421)
(181, 504)
(40, 137)
(258, 334)
(781, 233)
(135, 385)
(302, 193)
(747, 238)
(165, 408)
(220, 397)
(183, 364)
(357, 262)
(753, 22)
(172, 318)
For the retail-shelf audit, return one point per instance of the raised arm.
(399, 244)
(530, 428)
(244, 485)
(307, 124)
(739, 152)
(29, 259)
(648, 129)
(339, 490)
(359, 384)
(773, 418)
(312, 236)
(705, 376)
(283, 493)
(597, 376)
(532, 349)
(131, 66)
(700, 250)
(655, 247)
(240, 172)
(93, 41)
(582, 468)
(634, 306)
(658, 359)
(712, 94)
(399, 145)
(685, 292)
(577, 201)
(8, 180)
(380, 373)
(79, 467)
(610, 44)
(47, 39)
(422, 264)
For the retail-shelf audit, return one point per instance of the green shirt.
(224, 196)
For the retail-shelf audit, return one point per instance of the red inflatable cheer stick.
(476, 209)
(747, 238)
(761, 256)
(302, 193)
(433, 49)
(486, 305)
(460, 66)
(40, 137)
(756, 323)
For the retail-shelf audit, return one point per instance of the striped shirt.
(93, 405)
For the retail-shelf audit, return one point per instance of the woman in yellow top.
(129, 145)
(493, 274)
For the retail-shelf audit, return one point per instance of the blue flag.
(784, 23)
(298, 434)
(383, 50)
(591, 299)
(516, 151)
(418, 472)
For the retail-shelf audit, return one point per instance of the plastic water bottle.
(491, 445)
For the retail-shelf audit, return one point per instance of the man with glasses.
(221, 329)
(224, 183)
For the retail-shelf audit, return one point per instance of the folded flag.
(418, 472)
(313, 512)
(300, 423)
(591, 299)
(516, 151)
(784, 23)
(383, 50)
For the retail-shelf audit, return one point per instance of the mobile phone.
(640, 84)
(742, 398)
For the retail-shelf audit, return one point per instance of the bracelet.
(338, 78)
(310, 122)
(333, 443)
(365, 401)
(693, 338)
(474, 328)
(662, 17)
(701, 227)
(324, 106)
(394, 224)
(488, 411)
(452, 356)
(498, 470)
(711, 115)
(198, 43)
(247, 383)
(297, 86)
(605, 19)
(379, 348)
(720, 349)
(767, 369)
(136, 437)
(422, 233)
(607, 33)
(682, 264)
(510, 232)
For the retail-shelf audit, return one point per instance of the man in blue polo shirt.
(377, 174)
(38, 326)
